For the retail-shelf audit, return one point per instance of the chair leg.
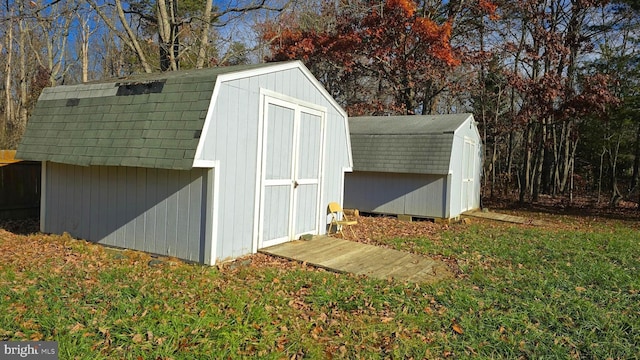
(338, 229)
(352, 232)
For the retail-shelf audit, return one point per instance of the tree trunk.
(549, 163)
(602, 154)
(21, 121)
(573, 164)
(525, 177)
(558, 146)
(84, 51)
(130, 38)
(568, 160)
(616, 196)
(8, 109)
(494, 157)
(85, 34)
(204, 35)
(538, 165)
(635, 176)
(168, 33)
(510, 155)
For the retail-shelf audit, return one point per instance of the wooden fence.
(19, 186)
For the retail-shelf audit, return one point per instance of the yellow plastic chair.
(335, 209)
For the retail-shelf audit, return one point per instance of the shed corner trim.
(213, 204)
(197, 163)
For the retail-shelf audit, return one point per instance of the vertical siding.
(232, 140)
(162, 194)
(153, 210)
(392, 193)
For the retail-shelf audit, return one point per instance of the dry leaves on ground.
(371, 229)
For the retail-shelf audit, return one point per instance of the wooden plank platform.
(345, 256)
(503, 217)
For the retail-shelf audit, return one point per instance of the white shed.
(423, 166)
(204, 165)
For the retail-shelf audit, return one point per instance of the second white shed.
(424, 166)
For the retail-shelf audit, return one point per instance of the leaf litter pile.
(99, 302)
(374, 229)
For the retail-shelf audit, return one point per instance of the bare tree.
(176, 30)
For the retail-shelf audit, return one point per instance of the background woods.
(553, 83)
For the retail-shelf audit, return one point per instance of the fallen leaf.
(75, 328)
(138, 338)
(457, 328)
(580, 289)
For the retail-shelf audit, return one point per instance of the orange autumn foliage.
(398, 50)
(439, 36)
(488, 6)
(408, 6)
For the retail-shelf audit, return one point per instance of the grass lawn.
(565, 291)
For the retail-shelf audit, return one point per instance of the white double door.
(292, 157)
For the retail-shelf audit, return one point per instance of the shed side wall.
(153, 210)
(421, 195)
(233, 139)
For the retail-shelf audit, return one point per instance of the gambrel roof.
(148, 120)
(419, 144)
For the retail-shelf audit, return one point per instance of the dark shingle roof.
(404, 144)
(150, 120)
(406, 124)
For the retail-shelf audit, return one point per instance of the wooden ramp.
(503, 217)
(345, 256)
